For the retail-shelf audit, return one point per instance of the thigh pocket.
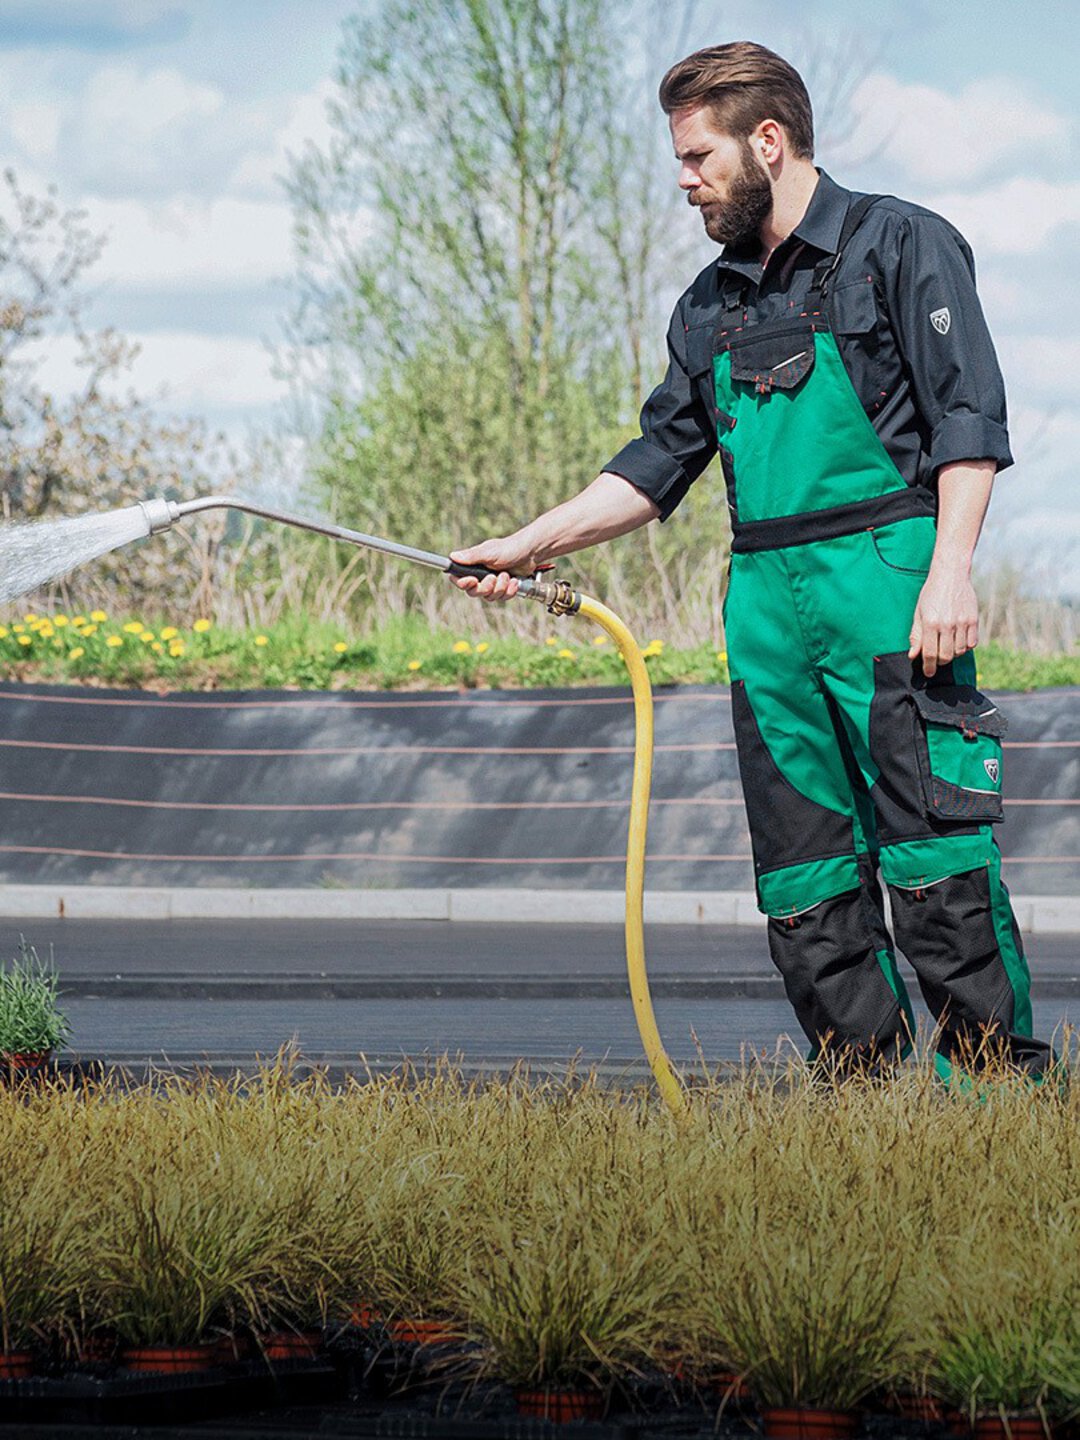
(958, 746)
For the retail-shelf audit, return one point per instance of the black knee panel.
(828, 958)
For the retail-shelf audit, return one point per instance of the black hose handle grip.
(462, 572)
(481, 572)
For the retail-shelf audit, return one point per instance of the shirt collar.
(820, 227)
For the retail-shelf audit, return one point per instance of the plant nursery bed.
(397, 1421)
(91, 1401)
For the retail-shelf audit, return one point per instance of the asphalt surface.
(224, 992)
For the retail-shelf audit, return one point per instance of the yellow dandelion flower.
(721, 655)
(201, 626)
(599, 640)
(551, 640)
(170, 632)
(98, 617)
(567, 655)
(259, 639)
(340, 647)
(146, 637)
(462, 647)
(114, 640)
(26, 640)
(3, 632)
(176, 651)
(79, 620)
(60, 621)
(157, 647)
(88, 630)
(414, 665)
(46, 632)
(30, 617)
(482, 647)
(18, 629)
(77, 653)
(134, 627)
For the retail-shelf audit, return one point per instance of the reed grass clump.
(821, 1238)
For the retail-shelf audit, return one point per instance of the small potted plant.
(31, 1026)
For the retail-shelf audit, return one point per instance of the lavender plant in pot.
(31, 1025)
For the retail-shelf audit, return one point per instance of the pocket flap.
(961, 706)
(852, 309)
(779, 361)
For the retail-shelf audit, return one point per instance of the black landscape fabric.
(457, 790)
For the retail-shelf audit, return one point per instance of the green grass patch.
(400, 653)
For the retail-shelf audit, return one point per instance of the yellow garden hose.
(160, 513)
(670, 1087)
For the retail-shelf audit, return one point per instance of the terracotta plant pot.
(21, 1064)
(729, 1386)
(99, 1348)
(1020, 1427)
(169, 1359)
(16, 1364)
(289, 1345)
(364, 1315)
(421, 1332)
(808, 1422)
(561, 1406)
(229, 1349)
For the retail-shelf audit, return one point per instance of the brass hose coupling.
(558, 595)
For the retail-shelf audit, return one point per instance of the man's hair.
(742, 84)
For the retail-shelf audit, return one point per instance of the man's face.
(722, 178)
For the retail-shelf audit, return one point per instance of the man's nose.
(689, 179)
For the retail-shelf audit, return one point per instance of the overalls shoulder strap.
(827, 267)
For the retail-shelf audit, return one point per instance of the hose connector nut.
(161, 514)
(564, 599)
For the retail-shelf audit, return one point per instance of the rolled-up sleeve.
(678, 434)
(946, 343)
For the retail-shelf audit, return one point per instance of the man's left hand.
(946, 622)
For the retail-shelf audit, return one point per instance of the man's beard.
(737, 221)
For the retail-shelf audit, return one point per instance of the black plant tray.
(141, 1399)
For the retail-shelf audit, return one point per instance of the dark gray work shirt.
(932, 387)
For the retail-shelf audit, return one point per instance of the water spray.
(34, 554)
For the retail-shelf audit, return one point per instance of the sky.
(171, 123)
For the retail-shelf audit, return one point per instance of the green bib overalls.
(850, 758)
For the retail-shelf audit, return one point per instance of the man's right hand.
(503, 556)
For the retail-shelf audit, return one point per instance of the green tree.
(481, 244)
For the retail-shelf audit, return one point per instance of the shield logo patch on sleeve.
(941, 320)
(992, 769)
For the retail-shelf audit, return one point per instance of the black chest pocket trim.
(779, 359)
(852, 308)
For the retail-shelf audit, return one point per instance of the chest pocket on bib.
(780, 359)
(699, 367)
(854, 317)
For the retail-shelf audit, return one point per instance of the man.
(836, 357)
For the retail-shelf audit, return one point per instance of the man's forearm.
(963, 496)
(946, 619)
(610, 506)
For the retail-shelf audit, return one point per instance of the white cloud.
(188, 372)
(1043, 365)
(259, 173)
(1017, 217)
(174, 244)
(939, 137)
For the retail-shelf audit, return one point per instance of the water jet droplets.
(32, 553)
